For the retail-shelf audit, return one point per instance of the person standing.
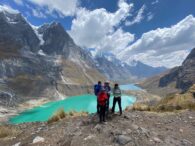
(108, 91)
(97, 89)
(117, 98)
(102, 98)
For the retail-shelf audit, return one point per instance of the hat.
(103, 89)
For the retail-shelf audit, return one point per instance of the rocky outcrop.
(184, 76)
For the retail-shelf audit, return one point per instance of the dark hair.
(116, 85)
(99, 82)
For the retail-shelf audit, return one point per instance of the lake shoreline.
(140, 95)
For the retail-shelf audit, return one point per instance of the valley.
(43, 71)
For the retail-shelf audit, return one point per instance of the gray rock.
(38, 139)
(157, 140)
(122, 139)
(186, 142)
(134, 127)
(17, 144)
(98, 128)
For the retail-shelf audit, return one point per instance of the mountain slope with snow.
(41, 61)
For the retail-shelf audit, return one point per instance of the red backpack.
(102, 97)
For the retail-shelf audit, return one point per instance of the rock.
(181, 130)
(17, 144)
(186, 142)
(129, 131)
(89, 137)
(38, 139)
(98, 128)
(135, 127)
(126, 117)
(190, 117)
(122, 139)
(157, 140)
(144, 131)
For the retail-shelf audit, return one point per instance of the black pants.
(98, 107)
(102, 113)
(117, 99)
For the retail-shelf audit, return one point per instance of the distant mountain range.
(116, 70)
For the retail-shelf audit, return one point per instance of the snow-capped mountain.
(116, 70)
(41, 61)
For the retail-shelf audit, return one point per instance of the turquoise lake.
(80, 103)
(130, 87)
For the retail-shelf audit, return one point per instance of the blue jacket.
(97, 89)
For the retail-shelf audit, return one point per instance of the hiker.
(108, 91)
(117, 98)
(97, 89)
(102, 98)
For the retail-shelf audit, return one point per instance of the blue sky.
(128, 28)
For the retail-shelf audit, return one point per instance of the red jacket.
(102, 97)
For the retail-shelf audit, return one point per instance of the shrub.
(60, 114)
(7, 131)
(141, 107)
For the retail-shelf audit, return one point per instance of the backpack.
(117, 92)
(102, 98)
(97, 89)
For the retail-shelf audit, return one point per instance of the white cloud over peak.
(99, 28)
(150, 16)
(38, 13)
(62, 7)
(163, 46)
(138, 18)
(19, 2)
(155, 2)
(8, 9)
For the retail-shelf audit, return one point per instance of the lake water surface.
(80, 103)
(130, 87)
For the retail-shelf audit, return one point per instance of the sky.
(155, 32)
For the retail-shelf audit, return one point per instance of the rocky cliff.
(183, 76)
(178, 79)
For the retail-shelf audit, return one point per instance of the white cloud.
(155, 2)
(97, 28)
(8, 9)
(62, 7)
(163, 46)
(38, 13)
(150, 16)
(138, 18)
(19, 2)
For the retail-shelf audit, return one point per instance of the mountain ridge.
(178, 79)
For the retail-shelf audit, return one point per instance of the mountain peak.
(7, 9)
(12, 18)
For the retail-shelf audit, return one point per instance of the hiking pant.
(117, 99)
(98, 107)
(107, 103)
(102, 113)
